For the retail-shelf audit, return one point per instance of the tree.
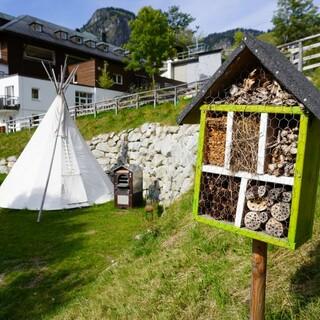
(104, 80)
(150, 43)
(237, 38)
(178, 20)
(179, 23)
(295, 19)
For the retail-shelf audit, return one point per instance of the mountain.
(225, 39)
(110, 25)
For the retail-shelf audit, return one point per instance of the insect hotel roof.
(258, 155)
(252, 54)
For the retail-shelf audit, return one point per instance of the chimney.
(103, 36)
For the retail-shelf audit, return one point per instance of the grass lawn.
(13, 144)
(44, 266)
(86, 264)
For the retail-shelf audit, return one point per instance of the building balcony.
(8, 103)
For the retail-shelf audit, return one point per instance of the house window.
(35, 93)
(9, 95)
(61, 35)
(83, 97)
(36, 26)
(37, 53)
(117, 79)
(103, 46)
(76, 39)
(90, 43)
(9, 91)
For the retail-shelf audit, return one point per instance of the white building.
(22, 96)
(26, 41)
(196, 64)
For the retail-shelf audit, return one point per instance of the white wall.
(4, 82)
(208, 65)
(28, 106)
(195, 69)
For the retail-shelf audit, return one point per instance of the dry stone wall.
(167, 155)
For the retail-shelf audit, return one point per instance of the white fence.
(137, 100)
(304, 53)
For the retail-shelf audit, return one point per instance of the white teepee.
(56, 170)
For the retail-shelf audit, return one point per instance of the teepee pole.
(59, 91)
(50, 169)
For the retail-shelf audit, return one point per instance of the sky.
(211, 15)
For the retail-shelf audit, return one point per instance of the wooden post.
(154, 98)
(175, 96)
(117, 106)
(137, 101)
(300, 62)
(95, 110)
(258, 285)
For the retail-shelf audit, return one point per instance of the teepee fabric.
(57, 157)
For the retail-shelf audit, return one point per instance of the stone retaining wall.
(166, 154)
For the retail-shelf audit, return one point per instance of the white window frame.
(9, 97)
(76, 39)
(38, 27)
(117, 78)
(35, 99)
(63, 35)
(83, 97)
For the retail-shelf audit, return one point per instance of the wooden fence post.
(300, 62)
(137, 101)
(94, 110)
(175, 101)
(75, 113)
(117, 106)
(154, 98)
(258, 285)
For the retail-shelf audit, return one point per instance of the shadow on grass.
(37, 273)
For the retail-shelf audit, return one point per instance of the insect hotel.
(258, 156)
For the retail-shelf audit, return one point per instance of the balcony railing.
(9, 103)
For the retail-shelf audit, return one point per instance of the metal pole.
(259, 274)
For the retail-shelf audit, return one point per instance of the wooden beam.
(259, 275)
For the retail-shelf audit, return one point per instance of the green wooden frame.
(296, 210)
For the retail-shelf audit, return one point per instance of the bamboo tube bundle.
(267, 208)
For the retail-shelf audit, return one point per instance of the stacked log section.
(245, 139)
(267, 208)
(219, 196)
(283, 152)
(215, 140)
